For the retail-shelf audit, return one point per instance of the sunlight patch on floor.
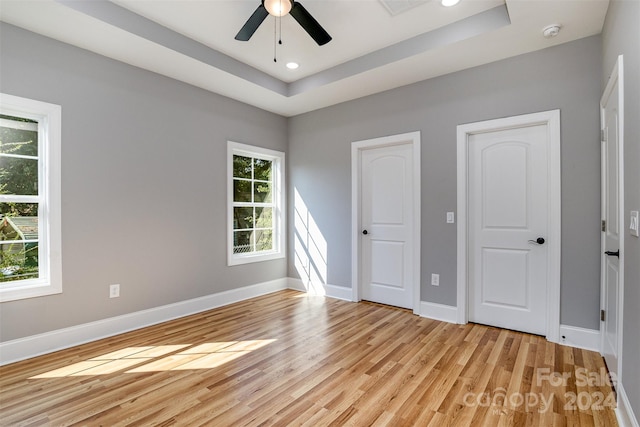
(159, 358)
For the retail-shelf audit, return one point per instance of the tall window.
(30, 261)
(256, 204)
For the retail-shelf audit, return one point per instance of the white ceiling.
(371, 51)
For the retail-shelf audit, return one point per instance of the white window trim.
(49, 117)
(279, 223)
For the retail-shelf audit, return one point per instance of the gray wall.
(567, 77)
(143, 183)
(621, 35)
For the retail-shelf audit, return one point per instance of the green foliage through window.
(18, 177)
(253, 204)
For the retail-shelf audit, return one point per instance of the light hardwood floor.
(290, 359)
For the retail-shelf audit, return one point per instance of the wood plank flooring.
(290, 359)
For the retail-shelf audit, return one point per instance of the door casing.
(357, 148)
(552, 120)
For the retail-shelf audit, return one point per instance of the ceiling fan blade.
(309, 24)
(252, 24)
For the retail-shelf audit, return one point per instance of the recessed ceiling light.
(449, 3)
(292, 65)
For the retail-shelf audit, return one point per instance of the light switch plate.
(450, 218)
(435, 279)
(634, 223)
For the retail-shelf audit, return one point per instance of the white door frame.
(616, 77)
(357, 148)
(552, 120)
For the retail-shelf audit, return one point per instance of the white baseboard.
(296, 285)
(331, 291)
(588, 339)
(339, 292)
(445, 313)
(35, 345)
(624, 411)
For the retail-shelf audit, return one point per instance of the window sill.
(24, 291)
(248, 259)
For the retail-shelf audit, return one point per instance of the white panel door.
(387, 218)
(611, 214)
(508, 214)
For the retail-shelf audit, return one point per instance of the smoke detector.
(551, 31)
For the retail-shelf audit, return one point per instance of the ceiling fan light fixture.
(449, 3)
(278, 7)
(292, 65)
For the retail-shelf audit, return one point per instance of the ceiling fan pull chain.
(280, 22)
(275, 46)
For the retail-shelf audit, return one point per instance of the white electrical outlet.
(450, 218)
(435, 279)
(114, 291)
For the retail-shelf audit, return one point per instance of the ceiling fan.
(281, 8)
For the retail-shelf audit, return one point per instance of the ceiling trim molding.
(131, 22)
(472, 26)
(118, 16)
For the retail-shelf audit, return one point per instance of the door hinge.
(604, 225)
(602, 316)
(603, 135)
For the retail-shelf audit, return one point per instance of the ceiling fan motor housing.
(278, 7)
(281, 8)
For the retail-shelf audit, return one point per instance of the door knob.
(616, 253)
(539, 240)
(365, 232)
